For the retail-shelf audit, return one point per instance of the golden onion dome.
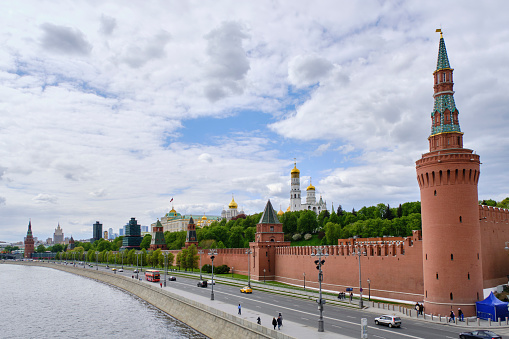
(204, 218)
(294, 169)
(233, 204)
(310, 188)
(288, 209)
(173, 211)
(280, 212)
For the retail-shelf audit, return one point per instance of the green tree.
(40, 249)
(340, 211)
(322, 216)
(400, 211)
(236, 239)
(332, 233)
(489, 202)
(307, 222)
(290, 223)
(145, 242)
(504, 203)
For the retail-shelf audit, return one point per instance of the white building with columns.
(295, 195)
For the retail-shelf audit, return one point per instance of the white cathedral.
(295, 195)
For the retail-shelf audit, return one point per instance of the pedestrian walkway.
(290, 328)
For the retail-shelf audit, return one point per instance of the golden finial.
(439, 30)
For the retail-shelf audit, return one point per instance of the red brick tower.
(448, 177)
(158, 240)
(269, 235)
(29, 242)
(191, 234)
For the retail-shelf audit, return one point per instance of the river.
(40, 302)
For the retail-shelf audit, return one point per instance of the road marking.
(336, 326)
(304, 319)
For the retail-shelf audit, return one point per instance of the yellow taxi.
(113, 269)
(246, 289)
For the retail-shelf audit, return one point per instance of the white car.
(388, 320)
(120, 270)
(211, 282)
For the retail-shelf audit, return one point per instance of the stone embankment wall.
(207, 320)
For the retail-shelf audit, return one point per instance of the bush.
(288, 237)
(308, 236)
(223, 269)
(206, 268)
(297, 237)
(321, 234)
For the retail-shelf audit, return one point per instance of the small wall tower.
(448, 175)
(158, 240)
(191, 237)
(29, 242)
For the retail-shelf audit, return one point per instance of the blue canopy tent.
(492, 308)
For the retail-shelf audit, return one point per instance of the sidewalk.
(290, 328)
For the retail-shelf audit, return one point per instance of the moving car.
(120, 270)
(202, 283)
(113, 269)
(246, 289)
(479, 334)
(135, 271)
(388, 320)
(211, 282)
(172, 278)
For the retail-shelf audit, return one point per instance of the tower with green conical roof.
(269, 235)
(448, 176)
(29, 242)
(158, 240)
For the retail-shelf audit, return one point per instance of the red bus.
(152, 275)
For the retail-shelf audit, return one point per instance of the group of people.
(342, 296)
(452, 317)
(277, 322)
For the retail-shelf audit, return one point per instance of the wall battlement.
(493, 214)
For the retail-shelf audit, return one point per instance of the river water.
(40, 302)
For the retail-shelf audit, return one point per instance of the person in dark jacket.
(279, 322)
(461, 317)
(259, 321)
(274, 322)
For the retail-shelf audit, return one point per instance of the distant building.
(71, 244)
(232, 211)
(144, 229)
(110, 234)
(49, 241)
(105, 235)
(132, 238)
(58, 236)
(29, 242)
(97, 231)
(175, 222)
(121, 232)
(295, 195)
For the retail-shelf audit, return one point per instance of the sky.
(109, 109)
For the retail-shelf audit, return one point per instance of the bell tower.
(448, 176)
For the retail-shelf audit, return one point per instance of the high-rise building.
(448, 176)
(144, 229)
(58, 236)
(110, 234)
(132, 238)
(121, 232)
(29, 242)
(97, 231)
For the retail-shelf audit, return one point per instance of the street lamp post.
(232, 272)
(359, 253)
(122, 259)
(165, 267)
(200, 252)
(320, 252)
(264, 275)
(304, 274)
(212, 254)
(248, 252)
(137, 267)
(369, 289)
(96, 260)
(115, 263)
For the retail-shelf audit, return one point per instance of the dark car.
(480, 334)
(172, 278)
(202, 283)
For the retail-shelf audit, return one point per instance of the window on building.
(468, 275)
(461, 219)
(437, 275)
(451, 296)
(272, 228)
(452, 257)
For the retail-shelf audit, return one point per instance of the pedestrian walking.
(461, 317)
(281, 316)
(274, 322)
(161, 284)
(259, 321)
(351, 296)
(421, 309)
(451, 316)
(240, 309)
(279, 322)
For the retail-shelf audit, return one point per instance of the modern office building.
(132, 238)
(97, 232)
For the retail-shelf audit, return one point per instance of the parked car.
(388, 320)
(172, 278)
(480, 334)
(202, 283)
(246, 289)
(211, 282)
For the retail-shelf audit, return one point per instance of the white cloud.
(308, 70)
(108, 25)
(66, 40)
(45, 198)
